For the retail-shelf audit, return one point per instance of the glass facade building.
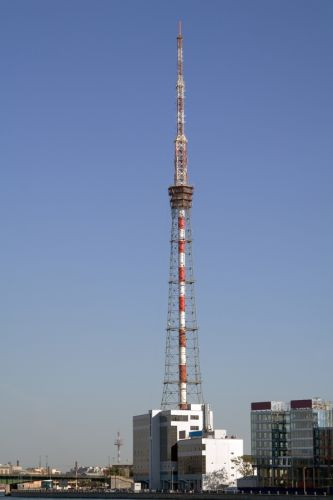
(292, 443)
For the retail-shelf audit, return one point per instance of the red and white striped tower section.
(182, 311)
(182, 382)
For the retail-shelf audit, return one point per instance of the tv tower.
(182, 380)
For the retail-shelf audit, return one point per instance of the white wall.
(219, 454)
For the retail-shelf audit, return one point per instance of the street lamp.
(304, 480)
(110, 473)
(171, 476)
(115, 476)
(76, 466)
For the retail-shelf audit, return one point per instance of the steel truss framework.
(171, 389)
(182, 380)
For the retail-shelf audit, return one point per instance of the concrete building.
(155, 437)
(292, 443)
(178, 449)
(206, 462)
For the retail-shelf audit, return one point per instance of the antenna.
(180, 141)
(118, 443)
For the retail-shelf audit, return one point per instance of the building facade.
(179, 450)
(155, 438)
(291, 443)
(206, 462)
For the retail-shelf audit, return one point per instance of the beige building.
(5, 469)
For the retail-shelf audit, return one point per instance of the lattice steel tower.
(182, 380)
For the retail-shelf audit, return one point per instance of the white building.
(206, 462)
(166, 444)
(155, 437)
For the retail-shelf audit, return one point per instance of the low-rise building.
(155, 438)
(206, 462)
(5, 469)
(178, 449)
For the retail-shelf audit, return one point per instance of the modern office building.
(292, 443)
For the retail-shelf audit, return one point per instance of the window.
(182, 434)
(179, 418)
(194, 417)
(194, 428)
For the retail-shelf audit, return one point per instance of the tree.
(244, 465)
(215, 480)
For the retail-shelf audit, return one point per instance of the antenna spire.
(181, 141)
(179, 28)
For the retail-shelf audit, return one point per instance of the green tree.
(244, 465)
(215, 480)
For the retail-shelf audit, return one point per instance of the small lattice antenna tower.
(118, 442)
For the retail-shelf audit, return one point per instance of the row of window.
(181, 418)
(270, 427)
(182, 434)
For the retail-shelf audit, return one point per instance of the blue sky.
(87, 97)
